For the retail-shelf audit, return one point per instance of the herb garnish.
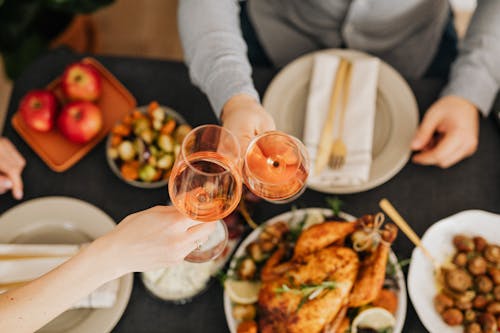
(335, 204)
(307, 291)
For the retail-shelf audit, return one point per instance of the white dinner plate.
(396, 117)
(293, 217)
(438, 239)
(61, 220)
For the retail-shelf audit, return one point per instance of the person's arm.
(215, 50)
(475, 75)
(472, 88)
(11, 168)
(147, 240)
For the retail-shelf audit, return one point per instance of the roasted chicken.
(312, 291)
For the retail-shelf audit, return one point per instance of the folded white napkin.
(358, 122)
(20, 263)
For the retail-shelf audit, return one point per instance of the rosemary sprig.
(307, 291)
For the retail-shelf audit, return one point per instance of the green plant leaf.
(17, 20)
(15, 61)
(77, 6)
(335, 204)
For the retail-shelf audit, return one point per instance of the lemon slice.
(242, 292)
(313, 217)
(375, 318)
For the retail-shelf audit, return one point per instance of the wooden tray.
(53, 148)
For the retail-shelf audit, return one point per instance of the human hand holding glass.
(205, 183)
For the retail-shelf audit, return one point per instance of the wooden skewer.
(389, 209)
(326, 134)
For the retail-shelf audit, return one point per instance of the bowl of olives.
(141, 149)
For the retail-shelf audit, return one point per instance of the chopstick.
(326, 134)
(389, 209)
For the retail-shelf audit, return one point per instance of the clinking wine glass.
(205, 183)
(276, 167)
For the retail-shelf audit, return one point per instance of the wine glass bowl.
(205, 184)
(276, 167)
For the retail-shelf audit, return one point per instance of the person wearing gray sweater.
(223, 38)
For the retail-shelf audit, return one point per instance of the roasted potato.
(453, 316)
(473, 328)
(388, 300)
(242, 312)
(255, 251)
(460, 259)
(246, 269)
(483, 284)
(458, 280)
(493, 308)
(463, 243)
(496, 293)
(442, 302)
(492, 254)
(488, 323)
(479, 302)
(477, 265)
(480, 243)
(247, 327)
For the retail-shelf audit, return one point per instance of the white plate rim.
(104, 319)
(287, 216)
(409, 118)
(421, 270)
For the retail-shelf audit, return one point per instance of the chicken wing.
(322, 235)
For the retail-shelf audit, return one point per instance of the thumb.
(425, 131)
(5, 184)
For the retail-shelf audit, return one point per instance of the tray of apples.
(65, 120)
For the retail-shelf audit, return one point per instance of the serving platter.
(293, 218)
(438, 240)
(63, 220)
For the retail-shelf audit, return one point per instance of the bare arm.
(147, 240)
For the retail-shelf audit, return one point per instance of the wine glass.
(276, 167)
(205, 183)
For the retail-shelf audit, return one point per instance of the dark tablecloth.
(422, 194)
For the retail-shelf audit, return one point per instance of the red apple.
(81, 82)
(80, 121)
(38, 109)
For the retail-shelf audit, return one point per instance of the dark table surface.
(422, 194)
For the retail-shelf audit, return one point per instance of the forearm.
(29, 307)
(475, 75)
(214, 49)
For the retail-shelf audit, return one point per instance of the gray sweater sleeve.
(214, 49)
(475, 75)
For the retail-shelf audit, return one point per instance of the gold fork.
(338, 151)
(324, 147)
